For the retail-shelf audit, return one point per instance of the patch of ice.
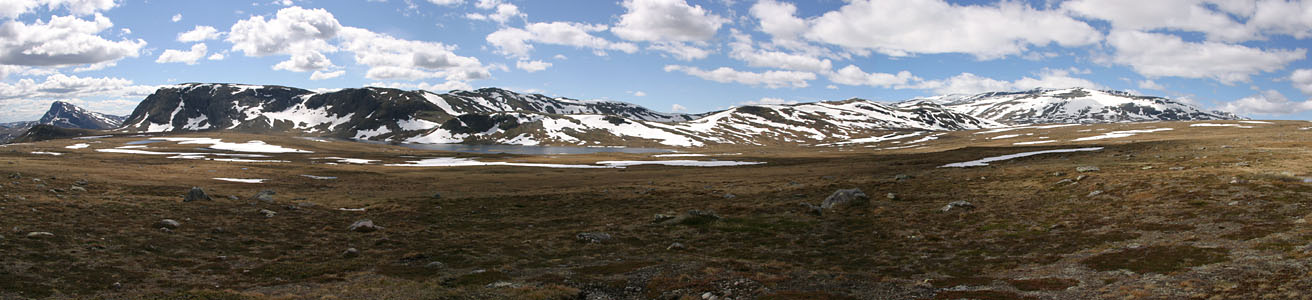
(318, 177)
(351, 209)
(680, 155)
(1218, 125)
(1256, 122)
(679, 163)
(465, 162)
(47, 153)
(1034, 142)
(78, 146)
(1120, 134)
(986, 161)
(218, 144)
(876, 139)
(358, 161)
(241, 180)
(1006, 136)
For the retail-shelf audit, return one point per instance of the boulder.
(959, 205)
(677, 246)
(265, 196)
(844, 198)
(901, 177)
(268, 213)
(593, 237)
(168, 223)
(351, 253)
(196, 194)
(1087, 169)
(39, 234)
(364, 226)
(77, 189)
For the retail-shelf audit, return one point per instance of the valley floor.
(1194, 212)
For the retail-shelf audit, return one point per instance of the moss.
(1256, 231)
(1043, 284)
(477, 278)
(980, 295)
(1157, 259)
(961, 281)
(615, 268)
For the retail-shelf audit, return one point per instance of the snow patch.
(241, 180)
(1120, 134)
(78, 146)
(986, 161)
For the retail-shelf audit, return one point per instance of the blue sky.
(1249, 57)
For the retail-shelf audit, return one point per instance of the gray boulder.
(268, 213)
(365, 225)
(265, 196)
(168, 223)
(844, 198)
(958, 205)
(39, 234)
(593, 237)
(196, 194)
(1087, 169)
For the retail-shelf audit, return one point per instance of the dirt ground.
(1197, 212)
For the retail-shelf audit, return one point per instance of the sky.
(1245, 56)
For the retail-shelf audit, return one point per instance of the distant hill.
(61, 115)
(1073, 105)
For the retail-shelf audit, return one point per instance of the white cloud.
(681, 51)
(439, 87)
(64, 86)
(678, 108)
(778, 20)
(666, 21)
(905, 27)
(27, 109)
(198, 34)
(853, 75)
(769, 79)
(196, 53)
(1160, 55)
(1301, 78)
(503, 13)
(1292, 18)
(1151, 85)
(532, 66)
(14, 8)
(743, 50)
(217, 56)
(518, 42)
(320, 75)
(1268, 102)
(301, 33)
(1184, 15)
(969, 83)
(62, 41)
(446, 2)
(767, 101)
(393, 58)
(176, 18)
(639, 94)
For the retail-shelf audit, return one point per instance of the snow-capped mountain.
(66, 115)
(500, 116)
(1072, 105)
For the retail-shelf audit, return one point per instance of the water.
(520, 149)
(142, 142)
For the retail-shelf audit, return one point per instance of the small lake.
(520, 149)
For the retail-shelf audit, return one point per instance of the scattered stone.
(1081, 177)
(15, 175)
(1146, 168)
(168, 224)
(503, 284)
(845, 197)
(891, 196)
(39, 234)
(677, 246)
(1083, 169)
(1095, 193)
(593, 237)
(265, 196)
(959, 205)
(233, 197)
(1065, 181)
(901, 177)
(812, 209)
(81, 182)
(435, 265)
(730, 196)
(1241, 164)
(267, 213)
(658, 218)
(77, 189)
(365, 225)
(196, 194)
(351, 253)
(437, 195)
(1058, 174)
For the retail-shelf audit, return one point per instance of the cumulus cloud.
(1183, 15)
(439, 87)
(519, 41)
(853, 75)
(1292, 18)
(502, 12)
(532, 66)
(678, 108)
(320, 75)
(176, 18)
(446, 2)
(14, 8)
(1161, 55)
(1301, 78)
(62, 41)
(28, 109)
(767, 101)
(392, 58)
(199, 34)
(969, 83)
(769, 79)
(64, 86)
(300, 33)
(778, 19)
(666, 21)
(1151, 85)
(190, 57)
(743, 50)
(906, 27)
(1268, 102)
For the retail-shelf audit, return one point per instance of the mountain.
(11, 130)
(66, 115)
(1072, 105)
(493, 115)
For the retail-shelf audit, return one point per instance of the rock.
(365, 225)
(1146, 168)
(168, 223)
(15, 175)
(677, 246)
(1081, 177)
(196, 194)
(503, 284)
(437, 195)
(812, 209)
(662, 217)
(1065, 181)
(81, 182)
(1087, 169)
(1176, 168)
(891, 196)
(845, 197)
(306, 204)
(39, 234)
(593, 237)
(435, 265)
(959, 205)
(351, 253)
(694, 217)
(901, 177)
(268, 213)
(233, 197)
(730, 196)
(1095, 193)
(1058, 174)
(265, 196)
(77, 189)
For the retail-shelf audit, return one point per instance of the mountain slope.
(66, 115)
(1073, 105)
(500, 116)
